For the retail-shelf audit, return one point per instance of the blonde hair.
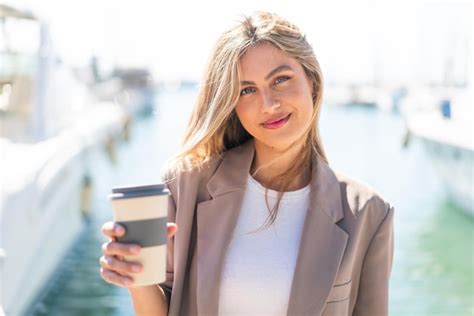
(214, 126)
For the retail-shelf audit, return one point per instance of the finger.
(120, 266)
(113, 248)
(116, 278)
(172, 229)
(112, 229)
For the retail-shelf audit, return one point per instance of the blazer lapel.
(322, 244)
(216, 220)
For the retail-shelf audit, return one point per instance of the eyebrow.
(270, 74)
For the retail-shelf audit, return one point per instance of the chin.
(278, 145)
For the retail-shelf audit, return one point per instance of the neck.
(270, 162)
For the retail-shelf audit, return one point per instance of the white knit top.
(258, 268)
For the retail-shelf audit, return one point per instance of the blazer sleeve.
(167, 285)
(373, 290)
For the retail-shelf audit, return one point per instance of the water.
(433, 264)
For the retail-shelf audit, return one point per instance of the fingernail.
(119, 230)
(128, 282)
(136, 268)
(135, 249)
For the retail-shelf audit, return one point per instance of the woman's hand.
(114, 269)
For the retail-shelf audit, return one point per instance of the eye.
(282, 79)
(246, 90)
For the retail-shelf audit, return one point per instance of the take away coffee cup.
(143, 211)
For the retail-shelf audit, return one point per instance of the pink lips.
(276, 123)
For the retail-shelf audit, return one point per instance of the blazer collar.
(233, 170)
(232, 173)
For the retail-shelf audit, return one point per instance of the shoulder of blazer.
(174, 178)
(171, 174)
(361, 200)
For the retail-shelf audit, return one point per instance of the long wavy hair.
(214, 126)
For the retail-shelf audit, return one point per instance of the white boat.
(132, 88)
(383, 97)
(448, 140)
(50, 127)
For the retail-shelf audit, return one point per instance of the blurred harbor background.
(97, 94)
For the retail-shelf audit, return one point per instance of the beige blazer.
(345, 254)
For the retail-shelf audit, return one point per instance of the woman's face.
(275, 104)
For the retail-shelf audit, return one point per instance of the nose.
(269, 102)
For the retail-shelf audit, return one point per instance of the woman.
(265, 226)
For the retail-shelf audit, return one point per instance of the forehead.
(260, 59)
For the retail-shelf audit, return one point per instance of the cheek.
(245, 116)
(302, 99)
(308, 112)
(306, 96)
(305, 108)
(300, 92)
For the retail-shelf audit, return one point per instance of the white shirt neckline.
(256, 186)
